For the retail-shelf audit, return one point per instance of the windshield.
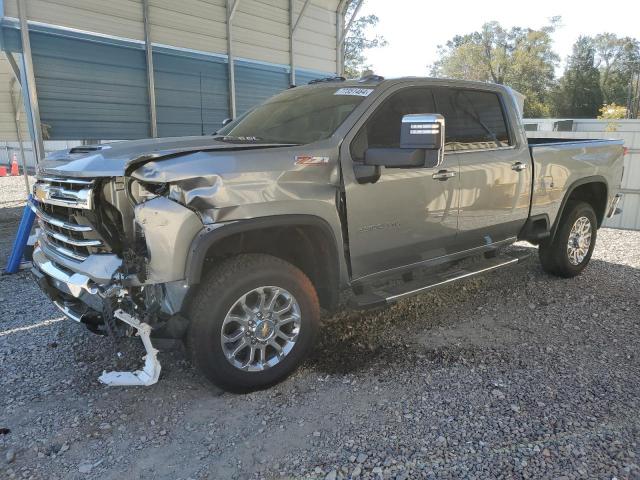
(299, 116)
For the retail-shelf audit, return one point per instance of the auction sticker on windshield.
(360, 92)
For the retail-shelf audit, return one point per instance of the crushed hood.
(114, 159)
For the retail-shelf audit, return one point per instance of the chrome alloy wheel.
(261, 328)
(579, 240)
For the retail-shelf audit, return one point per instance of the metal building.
(627, 130)
(123, 69)
(8, 88)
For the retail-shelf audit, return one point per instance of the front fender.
(169, 229)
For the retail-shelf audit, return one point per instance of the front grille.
(65, 192)
(63, 209)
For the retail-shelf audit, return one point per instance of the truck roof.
(375, 81)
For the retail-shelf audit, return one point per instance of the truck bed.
(559, 164)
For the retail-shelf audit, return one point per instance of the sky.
(414, 28)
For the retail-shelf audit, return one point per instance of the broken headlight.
(139, 192)
(176, 193)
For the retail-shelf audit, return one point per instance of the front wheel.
(253, 320)
(570, 250)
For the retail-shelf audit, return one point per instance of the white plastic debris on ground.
(151, 371)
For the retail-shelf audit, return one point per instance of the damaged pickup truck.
(381, 188)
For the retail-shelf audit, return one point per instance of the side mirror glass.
(227, 121)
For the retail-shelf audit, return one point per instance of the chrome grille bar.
(66, 252)
(71, 241)
(71, 181)
(74, 227)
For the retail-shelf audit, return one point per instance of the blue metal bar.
(22, 237)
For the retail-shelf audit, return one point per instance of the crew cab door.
(495, 164)
(396, 217)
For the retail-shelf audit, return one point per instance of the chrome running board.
(377, 296)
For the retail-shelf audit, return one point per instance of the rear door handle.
(518, 166)
(443, 175)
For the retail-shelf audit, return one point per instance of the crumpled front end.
(105, 245)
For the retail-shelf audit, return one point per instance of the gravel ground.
(12, 198)
(513, 375)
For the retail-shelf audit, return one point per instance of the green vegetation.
(599, 70)
(358, 41)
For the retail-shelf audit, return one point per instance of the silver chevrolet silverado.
(378, 188)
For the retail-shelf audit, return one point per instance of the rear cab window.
(474, 119)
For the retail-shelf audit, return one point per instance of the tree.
(358, 41)
(579, 93)
(617, 59)
(522, 58)
(612, 111)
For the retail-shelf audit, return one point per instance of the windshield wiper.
(234, 139)
(241, 140)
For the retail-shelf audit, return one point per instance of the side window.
(474, 120)
(382, 129)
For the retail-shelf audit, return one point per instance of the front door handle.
(518, 166)
(443, 175)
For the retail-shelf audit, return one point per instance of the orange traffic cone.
(15, 171)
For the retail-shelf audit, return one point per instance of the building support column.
(16, 118)
(293, 26)
(151, 86)
(231, 10)
(29, 85)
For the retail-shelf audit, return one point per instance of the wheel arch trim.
(578, 183)
(212, 234)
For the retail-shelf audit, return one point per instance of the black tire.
(554, 255)
(218, 293)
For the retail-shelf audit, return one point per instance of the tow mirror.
(421, 144)
(422, 131)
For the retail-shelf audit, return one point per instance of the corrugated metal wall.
(7, 123)
(122, 18)
(191, 94)
(193, 24)
(261, 27)
(316, 36)
(87, 88)
(93, 85)
(627, 130)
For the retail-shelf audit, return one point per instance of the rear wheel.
(570, 250)
(253, 320)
